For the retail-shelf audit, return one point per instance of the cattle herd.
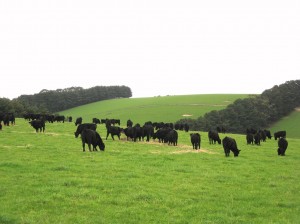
(164, 132)
(167, 133)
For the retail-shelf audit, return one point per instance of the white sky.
(157, 47)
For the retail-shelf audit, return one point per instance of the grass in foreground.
(46, 178)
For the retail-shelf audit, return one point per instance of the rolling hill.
(165, 108)
(171, 109)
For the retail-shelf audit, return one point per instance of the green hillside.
(166, 108)
(171, 109)
(290, 124)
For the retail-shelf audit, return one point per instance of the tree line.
(257, 112)
(51, 101)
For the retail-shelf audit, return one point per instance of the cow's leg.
(107, 134)
(112, 136)
(89, 144)
(83, 146)
(95, 148)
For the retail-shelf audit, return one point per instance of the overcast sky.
(157, 47)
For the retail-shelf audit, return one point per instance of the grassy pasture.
(46, 178)
(165, 108)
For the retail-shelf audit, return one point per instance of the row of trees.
(256, 112)
(51, 101)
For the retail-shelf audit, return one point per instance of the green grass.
(290, 124)
(166, 108)
(46, 178)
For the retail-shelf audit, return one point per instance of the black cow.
(171, 137)
(38, 125)
(148, 131)
(186, 127)
(129, 132)
(113, 130)
(263, 135)
(81, 127)
(78, 121)
(214, 137)
(279, 134)
(268, 134)
(229, 144)
(59, 118)
(195, 140)
(129, 123)
(282, 146)
(138, 132)
(96, 121)
(161, 134)
(257, 138)
(250, 138)
(91, 137)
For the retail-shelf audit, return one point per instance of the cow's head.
(101, 146)
(219, 141)
(76, 134)
(236, 153)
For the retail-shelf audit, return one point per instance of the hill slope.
(289, 123)
(166, 109)
(171, 109)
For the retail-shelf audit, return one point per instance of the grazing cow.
(113, 130)
(263, 135)
(91, 137)
(78, 121)
(214, 137)
(195, 140)
(250, 138)
(129, 132)
(229, 144)
(268, 134)
(38, 125)
(257, 138)
(59, 118)
(279, 134)
(282, 146)
(171, 137)
(81, 127)
(161, 134)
